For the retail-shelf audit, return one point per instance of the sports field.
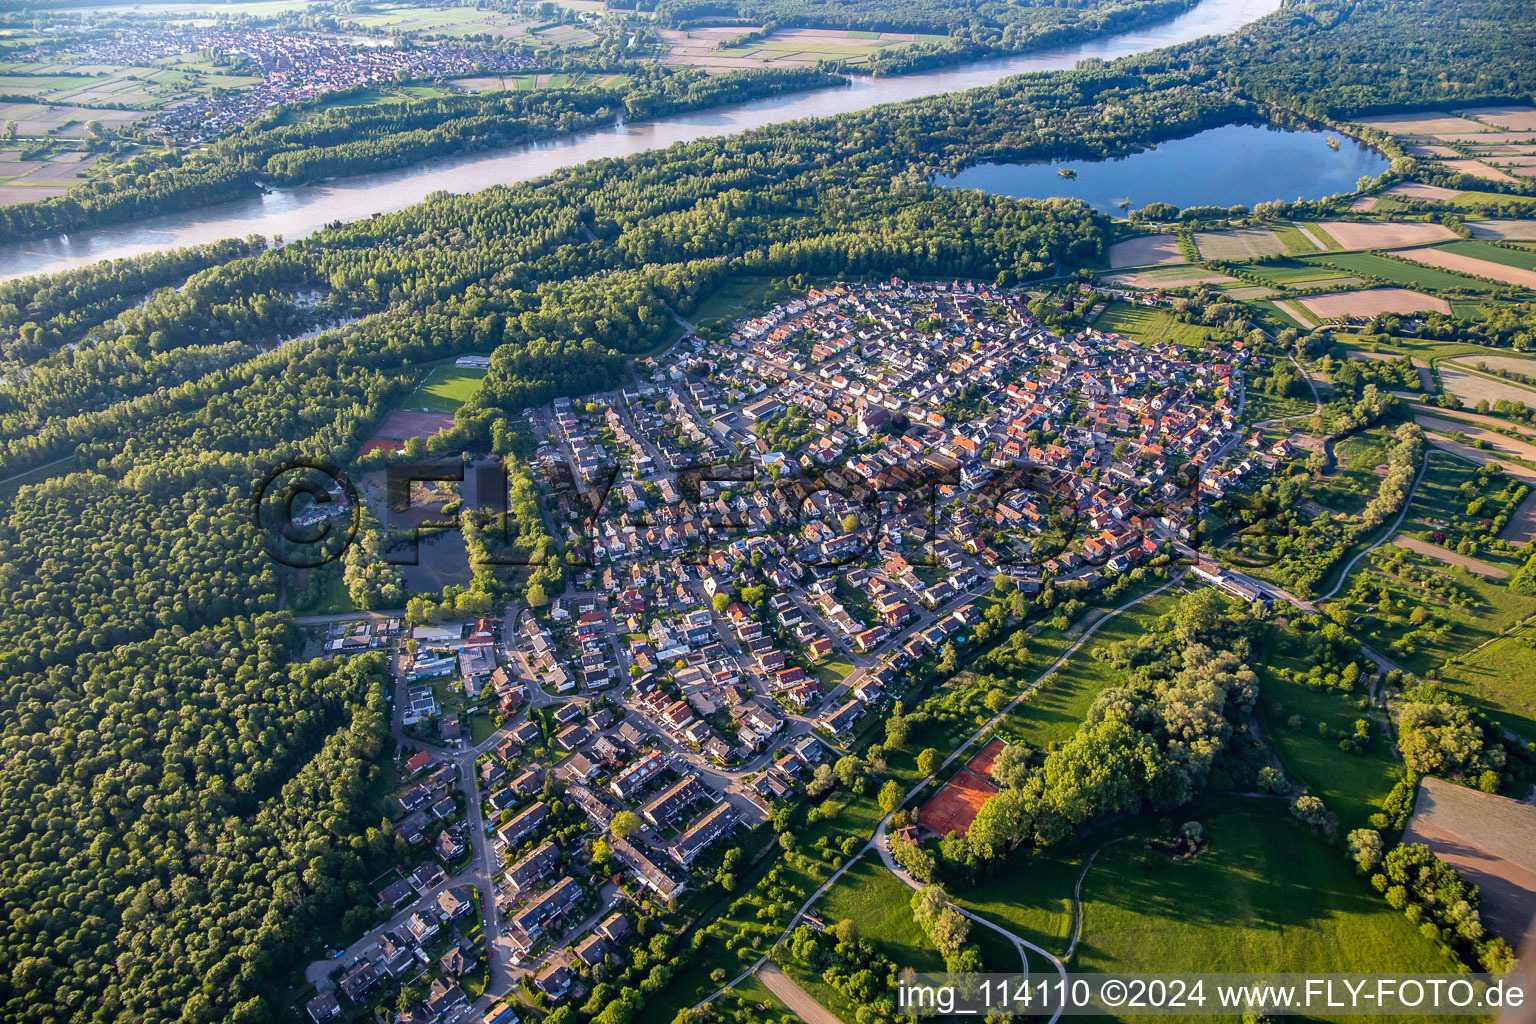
(446, 389)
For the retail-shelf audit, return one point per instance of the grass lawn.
(872, 898)
(830, 673)
(1142, 323)
(1053, 713)
(480, 727)
(1268, 894)
(447, 388)
(1407, 275)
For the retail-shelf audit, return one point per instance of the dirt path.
(795, 997)
(1450, 557)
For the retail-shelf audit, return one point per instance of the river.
(293, 213)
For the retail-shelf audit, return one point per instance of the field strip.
(1441, 554)
(1312, 236)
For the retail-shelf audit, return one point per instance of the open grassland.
(1143, 323)
(1352, 785)
(1296, 241)
(1054, 711)
(1269, 894)
(1501, 679)
(1292, 273)
(875, 900)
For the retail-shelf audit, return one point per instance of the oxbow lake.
(1234, 164)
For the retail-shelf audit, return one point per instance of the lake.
(299, 211)
(1236, 163)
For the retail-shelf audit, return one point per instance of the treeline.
(696, 90)
(1010, 25)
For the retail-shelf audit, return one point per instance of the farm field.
(1450, 557)
(1522, 258)
(1144, 250)
(1515, 118)
(1371, 301)
(1141, 323)
(1414, 190)
(1242, 244)
(427, 20)
(1297, 241)
(1398, 272)
(1268, 894)
(1352, 235)
(1169, 277)
(1477, 169)
(710, 47)
(1292, 273)
(1429, 122)
(1523, 230)
(1457, 261)
(1472, 388)
(1514, 364)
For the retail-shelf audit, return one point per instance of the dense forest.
(185, 801)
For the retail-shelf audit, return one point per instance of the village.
(785, 524)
